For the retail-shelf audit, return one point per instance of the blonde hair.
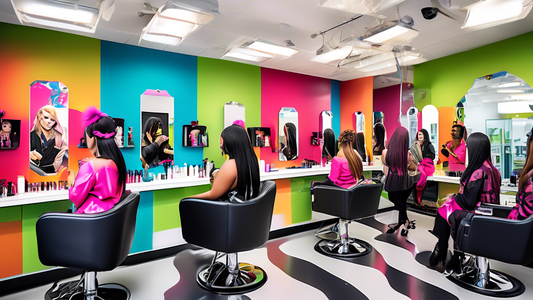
(347, 139)
(37, 124)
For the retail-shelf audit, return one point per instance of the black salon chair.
(91, 243)
(229, 228)
(485, 238)
(357, 202)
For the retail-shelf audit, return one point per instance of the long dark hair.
(478, 145)
(361, 145)
(107, 147)
(427, 141)
(237, 145)
(290, 133)
(397, 150)
(355, 163)
(151, 126)
(329, 143)
(379, 134)
(529, 162)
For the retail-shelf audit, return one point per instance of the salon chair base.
(344, 246)
(477, 277)
(216, 279)
(90, 290)
(329, 233)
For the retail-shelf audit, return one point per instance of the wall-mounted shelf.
(200, 136)
(13, 141)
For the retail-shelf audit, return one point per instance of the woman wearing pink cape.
(426, 166)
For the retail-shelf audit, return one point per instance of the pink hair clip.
(104, 135)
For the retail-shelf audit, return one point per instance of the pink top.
(340, 173)
(454, 163)
(95, 189)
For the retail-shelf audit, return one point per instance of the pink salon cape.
(454, 163)
(95, 189)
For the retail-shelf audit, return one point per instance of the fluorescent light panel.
(272, 49)
(336, 54)
(490, 13)
(510, 91)
(360, 6)
(394, 34)
(509, 84)
(514, 107)
(57, 14)
(247, 54)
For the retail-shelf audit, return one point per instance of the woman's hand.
(34, 155)
(160, 139)
(71, 177)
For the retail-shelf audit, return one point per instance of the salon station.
(391, 136)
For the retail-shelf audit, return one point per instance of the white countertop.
(49, 196)
(455, 180)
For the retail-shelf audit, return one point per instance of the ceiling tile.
(440, 50)
(111, 35)
(185, 49)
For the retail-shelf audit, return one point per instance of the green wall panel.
(30, 214)
(450, 77)
(166, 205)
(221, 81)
(301, 198)
(8, 214)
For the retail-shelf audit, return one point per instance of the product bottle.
(267, 141)
(191, 171)
(196, 171)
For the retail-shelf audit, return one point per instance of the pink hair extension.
(91, 115)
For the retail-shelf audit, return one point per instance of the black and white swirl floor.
(296, 271)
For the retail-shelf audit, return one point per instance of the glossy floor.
(296, 271)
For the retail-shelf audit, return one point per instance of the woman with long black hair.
(154, 145)
(291, 149)
(524, 197)
(236, 181)
(101, 179)
(426, 166)
(378, 140)
(479, 183)
(398, 183)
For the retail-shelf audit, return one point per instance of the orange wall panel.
(283, 200)
(11, 249)
(357, 95)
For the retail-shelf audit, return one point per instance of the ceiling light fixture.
(177, 19)
(515, 107)
(392, 33)
(270, 48)
(334, 54)
(510, 91)
(489, 13)
(247, 54)
(360, 6)
(64, 15)
(509, 84)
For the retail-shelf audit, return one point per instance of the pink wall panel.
(387, 100)
(308, 95)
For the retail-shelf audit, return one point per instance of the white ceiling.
(242, 20)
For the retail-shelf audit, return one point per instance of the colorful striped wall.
(112, 77)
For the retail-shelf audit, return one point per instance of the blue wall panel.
(127, 71)
(336, 106)
(144, 228)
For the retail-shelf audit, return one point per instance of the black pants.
(399, 198)
(442, 230)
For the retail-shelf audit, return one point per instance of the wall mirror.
(379, 134)
(325, 124)
(412, 121)
(358, 123)
(499, 105)
(288, 136)
(430, 122)
(157, 128)
(48, 127)
(233, 111)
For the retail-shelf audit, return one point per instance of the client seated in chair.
(237, 181)
(101, 179)
(480, 183)
(347, 166)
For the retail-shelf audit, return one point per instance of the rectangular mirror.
(49, 127)
(329, 142)
(430, 122)
(157, 128)
(358, 123)
(233, 111)
(288, 134)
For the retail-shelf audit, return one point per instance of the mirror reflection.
(325, 124)
(412, 121)
(49, 124)
(499, 105)
(430, 122)
(359, 126)
(288, 134)
(157, 117)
